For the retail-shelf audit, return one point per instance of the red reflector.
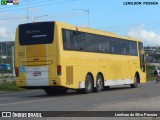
(17, 71)
(59, 70)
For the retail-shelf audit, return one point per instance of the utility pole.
(27, 11)
(88, 17)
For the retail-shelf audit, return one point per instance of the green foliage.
(150, 70)
(9, 71)
(6, 86)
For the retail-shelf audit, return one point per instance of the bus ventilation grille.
(69, 75)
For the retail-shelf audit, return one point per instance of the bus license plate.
(36, 73)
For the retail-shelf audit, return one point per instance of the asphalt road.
(145, 97)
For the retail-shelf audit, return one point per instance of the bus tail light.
(17, 71)
(59, 70)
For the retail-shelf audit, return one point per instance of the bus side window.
(66, 39)
(112, 49)
(115, 45)
(78, 40)
(133, 48)
(123, 51)
(124, 45)
(91, 42)
(103, 44)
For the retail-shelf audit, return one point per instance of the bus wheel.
(99, 83)
(88, 84)
(135, 84)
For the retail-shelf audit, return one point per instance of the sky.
(138, 21)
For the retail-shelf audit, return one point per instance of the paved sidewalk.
(3, 80)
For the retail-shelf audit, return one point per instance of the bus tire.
(135, 84)
(88, 84)
(99, 83)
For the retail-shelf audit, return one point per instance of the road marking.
(20, 92)
(26, 102)
(4, 97)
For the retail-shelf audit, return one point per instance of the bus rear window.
(36, 33)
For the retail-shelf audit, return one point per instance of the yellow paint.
(75, 65)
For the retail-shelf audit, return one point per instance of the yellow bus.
(56, 56)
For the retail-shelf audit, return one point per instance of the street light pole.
(30, 19)
(88, 16)
(87, 13)
(39, 17)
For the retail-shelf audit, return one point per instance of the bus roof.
(90, 30)
(95, 31)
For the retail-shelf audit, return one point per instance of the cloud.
(8, 26)
(3, 32)
(6, 34)
(150, 38)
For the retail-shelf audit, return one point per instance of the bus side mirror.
(142, 52)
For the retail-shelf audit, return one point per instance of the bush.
(150, 70)
(9, 86)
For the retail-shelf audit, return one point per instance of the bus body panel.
(38, 63)
(75, 65)
(76, 69)
(114, 68)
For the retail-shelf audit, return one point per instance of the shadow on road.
(41, 93)
(74, 93)
(117, 88)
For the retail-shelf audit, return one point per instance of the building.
(6, 51)
(152, 54)
(6, 48)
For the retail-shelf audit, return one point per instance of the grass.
(150, 70)
(9, 86)
(4, 71)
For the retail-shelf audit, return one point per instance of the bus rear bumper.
(43, 82)
(35, 82)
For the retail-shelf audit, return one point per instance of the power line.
(131, 25)
(67, 1)
(12, 18)
(125, 30)
(24, 1)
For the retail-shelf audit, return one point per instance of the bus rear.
(36, 59)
